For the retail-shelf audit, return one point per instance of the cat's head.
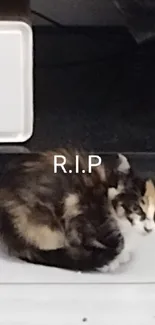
(136, 203)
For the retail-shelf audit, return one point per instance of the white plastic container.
(16, 81)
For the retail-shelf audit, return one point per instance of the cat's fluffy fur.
(71, 220)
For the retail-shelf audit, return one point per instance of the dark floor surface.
(104, 103)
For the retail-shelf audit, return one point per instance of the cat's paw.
(124, 257)
(111, 267)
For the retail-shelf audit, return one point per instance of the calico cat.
(134, 210)
(67, 219)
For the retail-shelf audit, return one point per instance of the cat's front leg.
(123, 258)
(93, 247)
(125, 254)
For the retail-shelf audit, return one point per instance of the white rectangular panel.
(16, 82)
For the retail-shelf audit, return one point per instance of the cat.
(67, 219)
(134, 210)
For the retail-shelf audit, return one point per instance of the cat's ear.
(123, 164)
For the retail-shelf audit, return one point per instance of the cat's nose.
(147, 229)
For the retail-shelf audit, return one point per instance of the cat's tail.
(78, 258)
(61, 259)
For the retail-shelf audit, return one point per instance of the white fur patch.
(112, 267)
(71, 208)
(112, 193)
(124, 165)
(123, 258)
(71, 201)
(120, 212)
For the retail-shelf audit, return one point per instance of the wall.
(78, 12)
